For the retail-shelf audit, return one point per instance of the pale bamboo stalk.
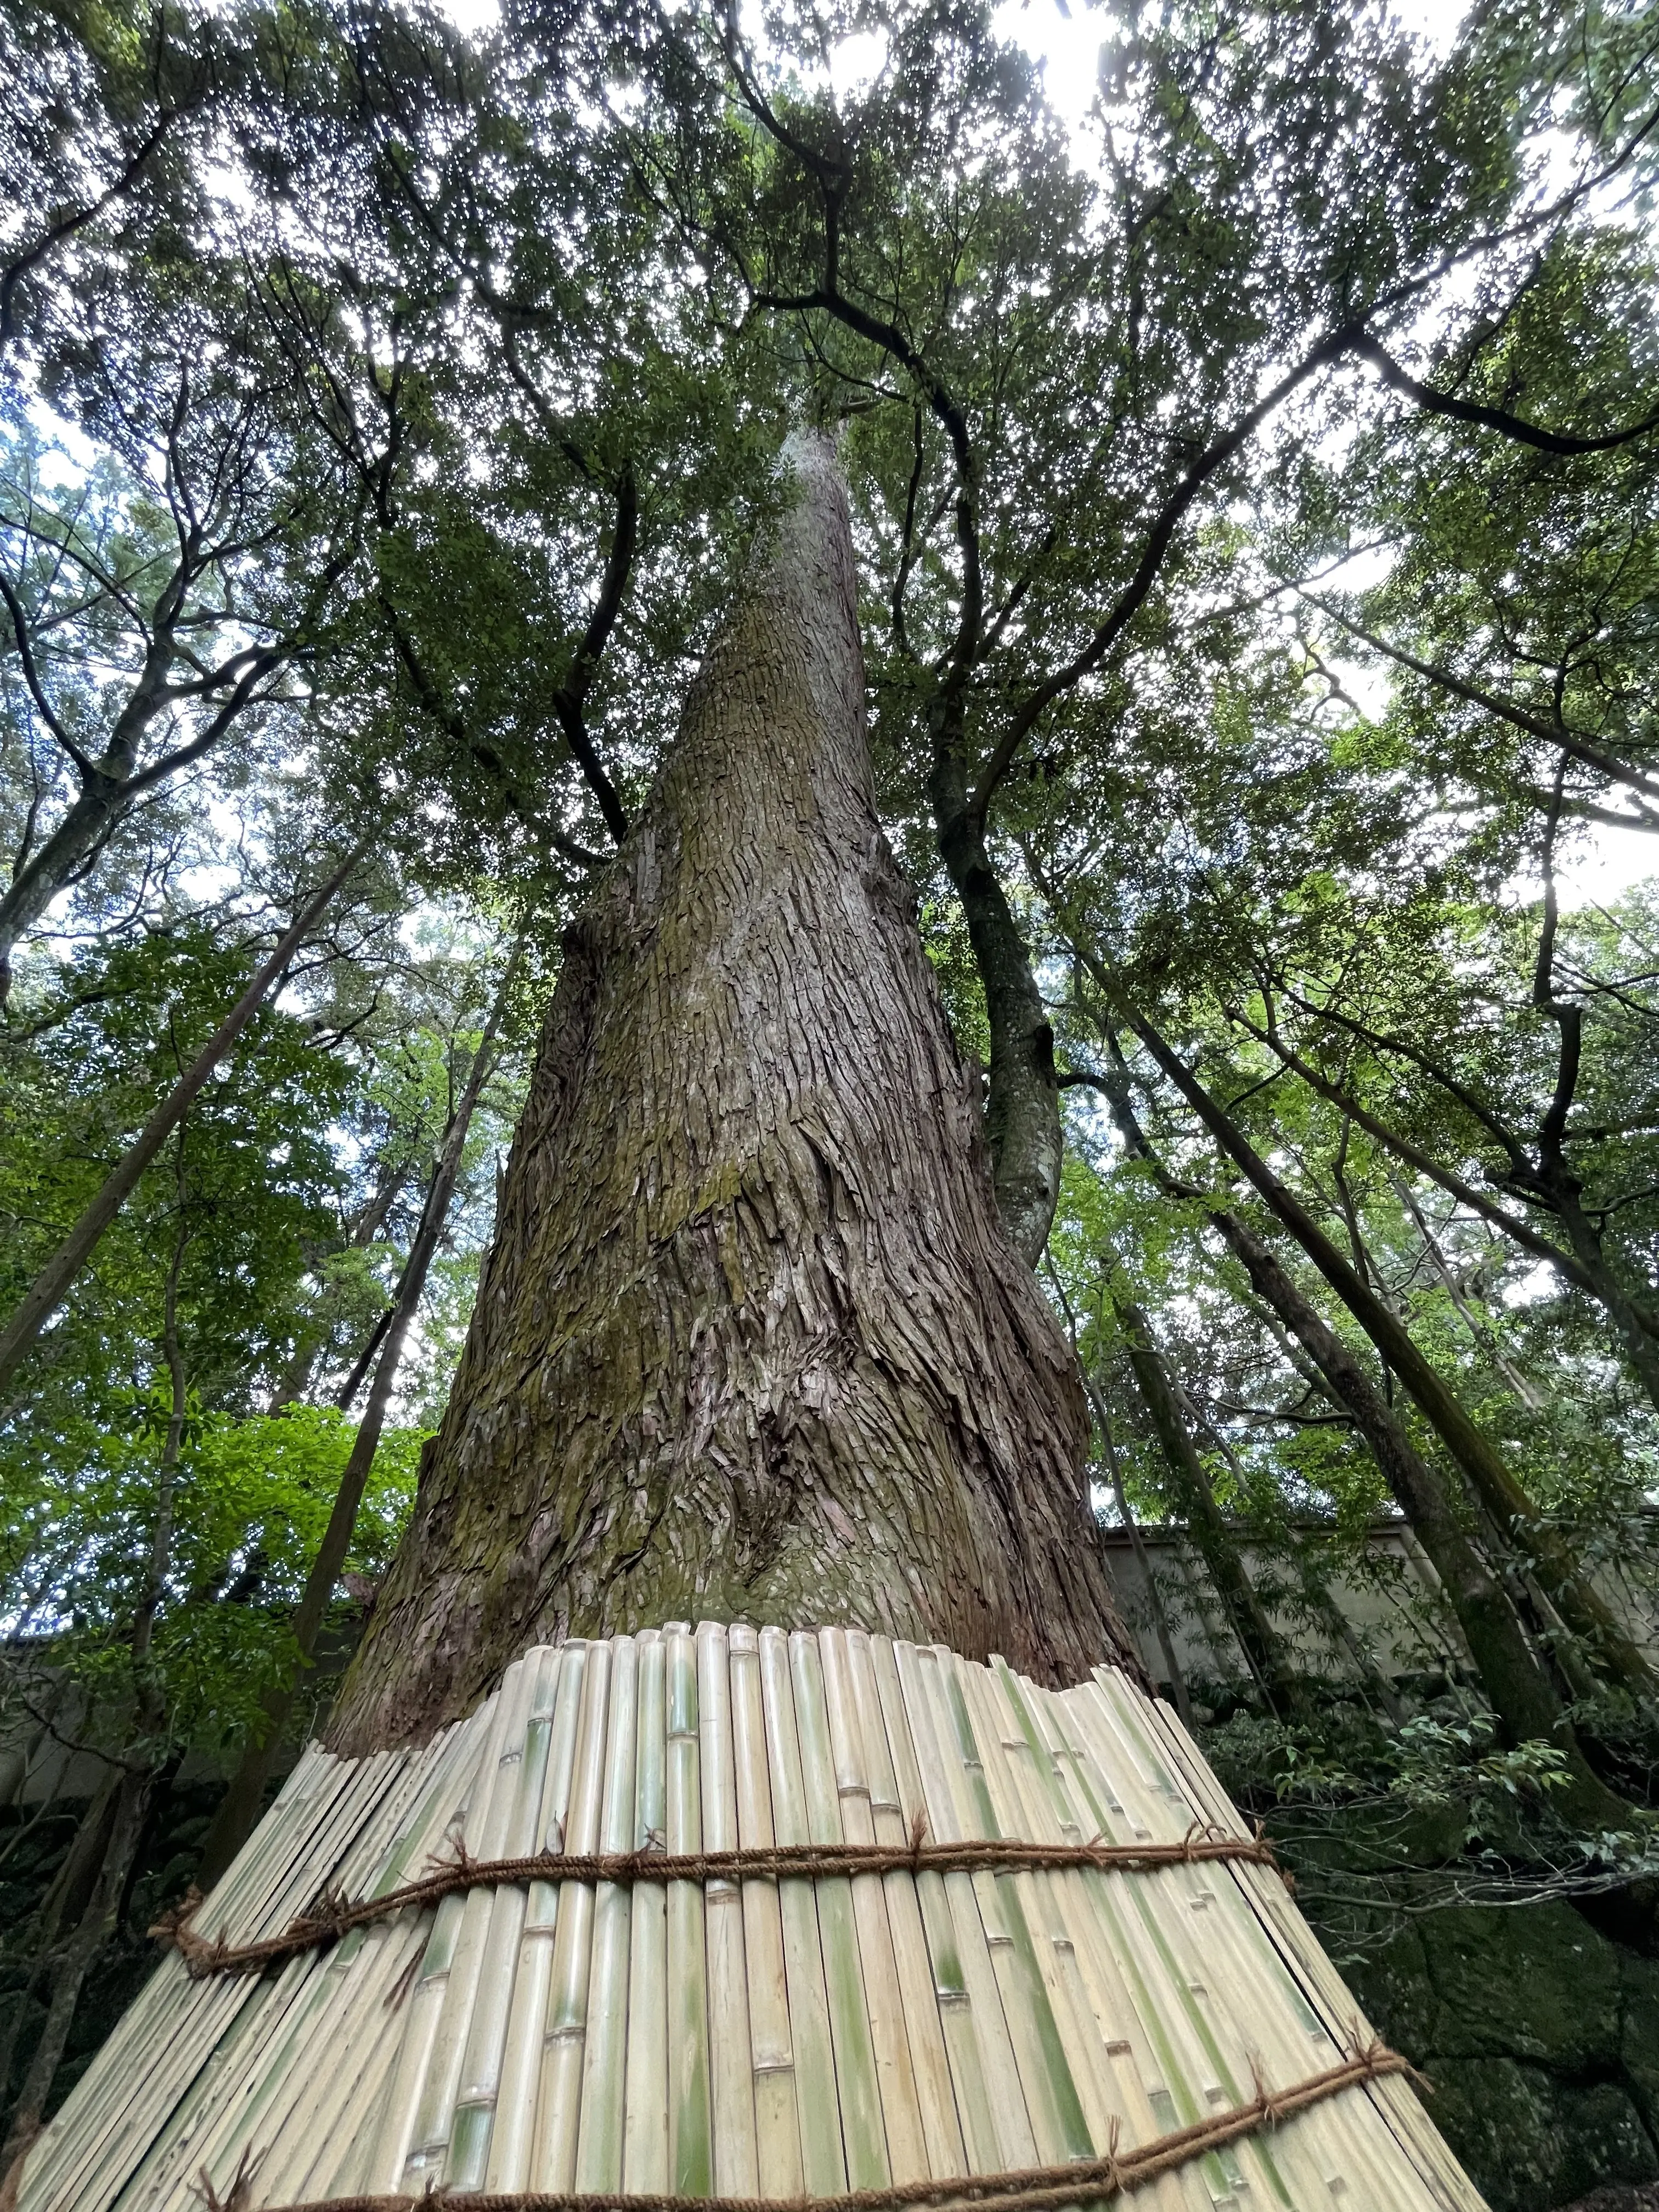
(823, 2163)
(330, 2043)
(212, 2107)
(1081, 1797)
(863, 2131)
(559, 2098)
(971, 2104)
(281, 1881)
(513, 2139)
(1051, 2092)
(731, 2052)
(467, 2160)
(1005, 2104)
(1160, 2001)
(690, 2119)
(900, 2109)
(284, 2105)
(93, 2133)
(59, 2177)
(1098, 1993)
(1164, 1794)
(960, 1810)
(600, 2136)
(435, 2117)
(1022, 1807)
(463, 1789)
(645, 2125)
(777, 2123)
(79, 2138)
(1320, 1988)
(924, 2029)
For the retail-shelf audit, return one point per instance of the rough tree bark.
(751, 1341)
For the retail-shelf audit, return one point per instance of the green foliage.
(251, 1496)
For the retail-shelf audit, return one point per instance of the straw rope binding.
(1033, 2189)
(331, 1915)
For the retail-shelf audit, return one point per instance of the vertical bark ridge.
(751, 1342)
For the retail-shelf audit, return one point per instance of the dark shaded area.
(165, 1865)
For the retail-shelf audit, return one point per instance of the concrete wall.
(1391, 1614)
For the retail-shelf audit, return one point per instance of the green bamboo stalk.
(824, 2160)
(645, 2125)
(900, 2110)
(777, 2119)
(863, 2129)
(1005, 2104)
(1051, 2092)
(974, 2110)
(513, 2139)
(1056, 1913)
(479, 2088)
(351, 1796)
(1161, 2002)
(600, 2136)
(560, 2101)
(1284, 1937)
(730, 2053)
(434, 2113)
(690, 2119)
(86, 2135)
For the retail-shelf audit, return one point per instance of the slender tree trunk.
(96, 1924)
(238, 1810)
(1022, 1107)
(1641, 1349)
(1582, 1607)
(1194, 1500)
(1172, 1669)
(296, 1376)
(752, 1342)
(134, 1787)
(46, 1292)
(1513, 1674)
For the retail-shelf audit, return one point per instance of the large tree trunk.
(751, 1342)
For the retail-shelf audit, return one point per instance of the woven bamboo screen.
(763, 2038)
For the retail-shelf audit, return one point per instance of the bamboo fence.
(772, 2037)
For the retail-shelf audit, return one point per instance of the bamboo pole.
(862, 2133)
(973, 2107)
(599, 2136)
(1163, 1989)
(559, 2100)
(732, 2058)
(645, 2124)
(479, 2088)
(918, 1996)
(900, 2109)
(777, 2120)
(511, 2142)
(1005, 2105)
(690, 2119)
(824, 2159)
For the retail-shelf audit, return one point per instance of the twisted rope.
(330, 1916)
(1033, 2189)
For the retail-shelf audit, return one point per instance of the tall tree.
(750, 1339)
